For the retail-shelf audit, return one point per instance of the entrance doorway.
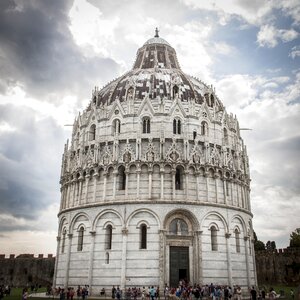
(179, 265)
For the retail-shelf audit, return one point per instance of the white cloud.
(295, 52)
(269, 35)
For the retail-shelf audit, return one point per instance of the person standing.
(253, 293)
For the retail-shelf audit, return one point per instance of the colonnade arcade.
(162, 181)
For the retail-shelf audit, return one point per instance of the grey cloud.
(29, 162)
(37, 51)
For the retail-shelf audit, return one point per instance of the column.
(138, 175)
(70, 235)
(173, 172)
(124, 256)
(237, 193)
(162, 171)
(56, 260)
(62, 192)
(162, 255)
(150, 184)
(228, 250)
(95, 186)
(207, 186)
(68, 196)
(80, 189)
(225, 190)
(247, 260)
(126, 183)
(186, 173)
(216, 186)
(104, 185)
(91, 260)
(197, 185)
(115, 173)
(200, 267)
(87, 179)
(74, 193)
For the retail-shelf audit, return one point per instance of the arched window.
(175, 91)
(63, 242)
(237, 240)
(204, 128)
(80, 239)
(176, 126)
(107, 258)
(179, 179)
(92, 133)
(213, 237)
(146, 125)
(116, 127)
(122, 178)
(225, 133)
(108, 237)
(194, 134)
(143, 236)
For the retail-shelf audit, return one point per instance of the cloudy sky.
(52, 54)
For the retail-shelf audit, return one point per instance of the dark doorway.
(179, 265)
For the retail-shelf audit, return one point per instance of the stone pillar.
(162, 255)
(91, 260)
(62, 192)
(56, 260)
(229, 266)
(253, 262)
(243, 196)
(197, 186)
(80, 189)
(186, 173)
(138, 176)
(216, 187)
(247, 261)
(115, 173)
(124, 256)
(225, 190)
(173, 172)
(162, 172)
(207, 186)
(70, 235)
(150, 184)
(95, 186)
(87, 178)
(68, 195)
(237, 193)
(73, 192)
(126, 183)
(104, 185)
(198, 257)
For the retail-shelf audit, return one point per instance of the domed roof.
(156, 74)
(156, 39)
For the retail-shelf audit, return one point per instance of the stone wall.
(26, 269)
(278, 266)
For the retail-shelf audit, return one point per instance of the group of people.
(4, 291)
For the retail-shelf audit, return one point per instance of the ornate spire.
(156, 32)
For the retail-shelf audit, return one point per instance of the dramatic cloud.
(41, 55)
(52, 54)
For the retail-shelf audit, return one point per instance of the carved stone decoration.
(173, 153)
(197, 155)
(215, 157)
(151, 153)
(106, 156)
(127, 154)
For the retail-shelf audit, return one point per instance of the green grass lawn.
(278, 288)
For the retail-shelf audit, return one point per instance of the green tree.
(295, 239)
(270, 245)
(258, 245)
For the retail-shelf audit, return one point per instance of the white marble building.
(155, 184)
